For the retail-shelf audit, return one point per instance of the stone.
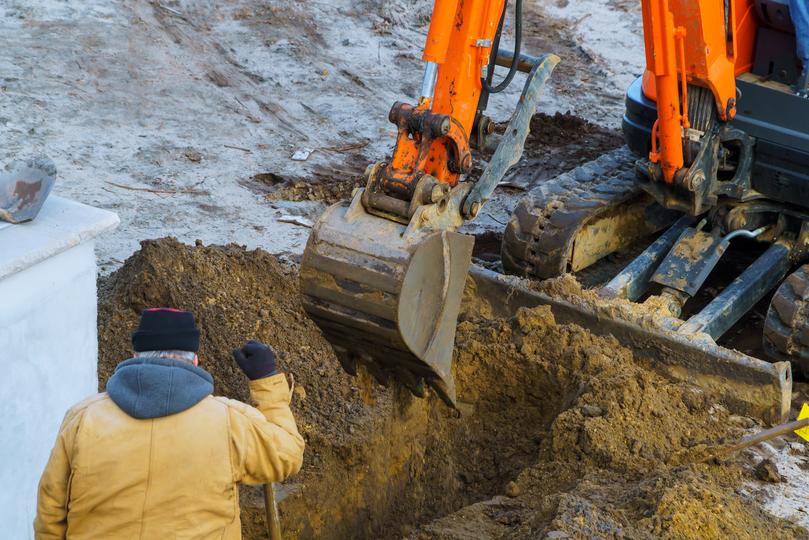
(767, 471)
(513, 490)
(592, 410)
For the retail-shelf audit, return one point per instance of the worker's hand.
(256, 360)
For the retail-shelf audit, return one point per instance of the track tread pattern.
(539, 237)
(786, 328)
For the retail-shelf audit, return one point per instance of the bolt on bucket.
(387, 295)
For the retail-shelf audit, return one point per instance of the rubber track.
(786, 328)
(538, 240)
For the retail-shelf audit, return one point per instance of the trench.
(379, 462)
(418, 460)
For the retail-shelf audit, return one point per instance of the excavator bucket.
(387, 295)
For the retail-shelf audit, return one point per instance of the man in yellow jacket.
(156, 455)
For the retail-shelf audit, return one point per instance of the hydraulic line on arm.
(487, 81)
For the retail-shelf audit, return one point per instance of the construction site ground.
(184, 117)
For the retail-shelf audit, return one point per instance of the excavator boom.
(383, 274)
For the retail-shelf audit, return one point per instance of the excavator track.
(786, 328)
(569, 222)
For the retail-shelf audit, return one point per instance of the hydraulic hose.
(487, 82)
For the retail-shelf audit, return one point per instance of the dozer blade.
(744, 384)
(386, 295)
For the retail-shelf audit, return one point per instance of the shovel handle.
(271, 509)
(760, 437)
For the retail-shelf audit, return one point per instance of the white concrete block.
(48, 343)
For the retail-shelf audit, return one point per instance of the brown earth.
(618, 445)
(581, 140)
(326, 184)
(558, 143)
(561, 431)
(378, 460)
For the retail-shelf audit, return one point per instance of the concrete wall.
(48, 355)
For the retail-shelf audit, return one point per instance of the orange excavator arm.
(383, 274)
(433, 137)
(692, 42)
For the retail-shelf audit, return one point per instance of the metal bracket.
(696, 190)
(693, 257)
(511, 146)
(741, 295)
(631, 283)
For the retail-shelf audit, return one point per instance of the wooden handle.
(760, 437)
(271, 508)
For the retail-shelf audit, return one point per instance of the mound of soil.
(235, 296)
(324, 184)
(560, 430)
(563, 130)
(620, 445)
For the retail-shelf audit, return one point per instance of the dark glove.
(256, 360)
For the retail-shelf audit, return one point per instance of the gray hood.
(156, 387)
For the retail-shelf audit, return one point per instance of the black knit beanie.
(165, 329)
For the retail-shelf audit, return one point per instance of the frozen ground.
(165, 111)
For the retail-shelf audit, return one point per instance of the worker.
(799, 9)
(156, 455)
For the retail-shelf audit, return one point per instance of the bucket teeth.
(387, 296)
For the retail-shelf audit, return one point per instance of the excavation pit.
(560, 431)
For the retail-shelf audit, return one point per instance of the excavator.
(717, 133)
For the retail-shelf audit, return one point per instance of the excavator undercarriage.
(716, 150)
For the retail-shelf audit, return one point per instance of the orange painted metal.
(438, 37)
(439, 146)
(663, 62)
(746, 29)
(460, 44)
(744, 13)
(459, 79)
(687, 41)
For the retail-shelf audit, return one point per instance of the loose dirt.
(328, 185)
(617, 448)
(561, 432)
(556, 144)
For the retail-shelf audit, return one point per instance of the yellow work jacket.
(113, 476)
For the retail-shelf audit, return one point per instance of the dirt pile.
(566, 129)
(655, 311)
(235, 295)
(560, 430)
(326, 184)
(619, 445)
